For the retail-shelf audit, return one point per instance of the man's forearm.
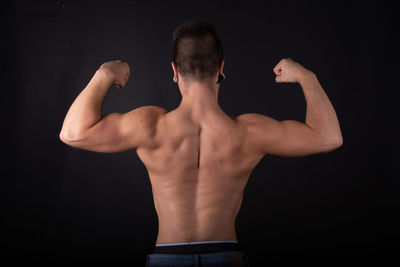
(85, 111)
(320, 115)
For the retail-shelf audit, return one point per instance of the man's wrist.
(105, 75)
(306, 75)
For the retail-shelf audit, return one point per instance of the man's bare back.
(198, 170)
(198, 158)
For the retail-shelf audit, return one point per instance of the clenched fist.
(118, 70)
(289, 71)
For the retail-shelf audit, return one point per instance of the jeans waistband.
(197, 247)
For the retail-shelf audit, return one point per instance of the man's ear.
(175, 78)
(221, 68)
(221, 75)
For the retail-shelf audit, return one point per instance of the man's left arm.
(86, 128)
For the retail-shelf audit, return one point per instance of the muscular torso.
(198, 170)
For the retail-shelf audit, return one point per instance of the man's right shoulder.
(250, 118)
(257, 125)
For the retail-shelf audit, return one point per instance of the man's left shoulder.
(150, 111)
(142, 121)
(153, 113)
(148, 115)
(157, 109)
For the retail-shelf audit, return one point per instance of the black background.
(65, 205)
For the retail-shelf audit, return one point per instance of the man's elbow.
(68, 136)
(333, 143)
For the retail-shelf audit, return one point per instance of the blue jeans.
(196, 254)
(220, 259)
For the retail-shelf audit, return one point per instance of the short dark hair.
(197, 50)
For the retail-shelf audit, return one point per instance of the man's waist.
(197, 247)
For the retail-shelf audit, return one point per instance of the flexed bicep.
(116, 132)
(288, 138)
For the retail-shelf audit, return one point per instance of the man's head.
(197, 53)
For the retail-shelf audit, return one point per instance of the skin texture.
(198, 158)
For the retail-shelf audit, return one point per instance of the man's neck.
(199, 98)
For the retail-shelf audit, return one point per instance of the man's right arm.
(320, 132)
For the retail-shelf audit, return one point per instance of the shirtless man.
(198, 158)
